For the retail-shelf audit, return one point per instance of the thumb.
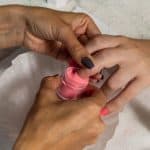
(75, 49)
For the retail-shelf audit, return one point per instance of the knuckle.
(85, 17)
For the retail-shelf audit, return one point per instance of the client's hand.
(53, 124)
(133, 74)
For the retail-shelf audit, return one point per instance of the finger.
(120, 78)
(100, 42)
(47, 92)
(92, 28)
(76, 50)
(125, 96)
(104, 59)
(81, 23)
(50, 82)
(49, 47)
(83, 39)
(108, 57)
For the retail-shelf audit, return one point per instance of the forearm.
(12, 26)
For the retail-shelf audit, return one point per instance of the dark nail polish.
(87, 62)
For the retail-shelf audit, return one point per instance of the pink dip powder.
(72, 85)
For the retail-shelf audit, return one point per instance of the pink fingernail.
(104, 112)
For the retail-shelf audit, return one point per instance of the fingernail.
(87, 62)
(104, 112)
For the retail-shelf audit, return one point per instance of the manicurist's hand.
(133, 58)
(47, 31)
(61, 125)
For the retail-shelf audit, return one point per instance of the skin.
(57, 34)
(46, 31)
(55, 124)
(133, 58)
(74, 35)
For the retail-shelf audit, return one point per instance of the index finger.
(92, 28)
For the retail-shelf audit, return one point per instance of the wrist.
(12, 26)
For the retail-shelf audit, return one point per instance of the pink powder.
(72, 85)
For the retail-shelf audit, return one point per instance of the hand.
(56, 33)
(133, 58)
(61, 125)
(47, 31)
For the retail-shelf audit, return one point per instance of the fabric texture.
(21, 80)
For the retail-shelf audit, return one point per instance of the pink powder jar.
(71, 85)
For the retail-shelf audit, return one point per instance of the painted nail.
(87, 62)
(104, 112)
